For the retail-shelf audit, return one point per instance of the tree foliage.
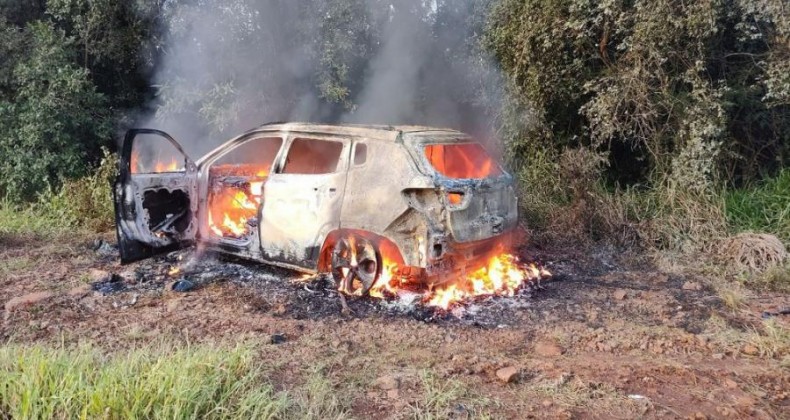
(692, 92)
(72, 71)
(54, 119)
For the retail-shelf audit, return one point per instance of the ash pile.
(316, 297)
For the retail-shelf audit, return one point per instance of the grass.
(442, 399)
(319, 399)
(154, 382)
(19, 264)
(732, 294)
(771, 338)
(26, 220)
(775, 278)
(763, 208)
(83, 204)
(569, 391)
(207, 381)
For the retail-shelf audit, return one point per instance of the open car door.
(155, 196)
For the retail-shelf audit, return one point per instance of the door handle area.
(331, 189)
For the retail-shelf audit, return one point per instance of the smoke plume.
(229, 66)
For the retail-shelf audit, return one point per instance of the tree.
(691, 92)
(54, 120)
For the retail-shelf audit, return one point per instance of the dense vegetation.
(661, 123)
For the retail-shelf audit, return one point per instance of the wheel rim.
(355, 265)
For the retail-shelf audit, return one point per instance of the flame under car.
(375, 206)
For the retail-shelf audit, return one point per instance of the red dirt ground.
(605, 339)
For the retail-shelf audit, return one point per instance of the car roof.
(374, 132)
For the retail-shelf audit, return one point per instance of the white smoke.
(229, 66)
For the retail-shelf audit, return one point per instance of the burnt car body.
(417, 203)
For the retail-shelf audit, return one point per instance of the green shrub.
(763, 208)
(54, 121)
(192, 382)
(83, 204)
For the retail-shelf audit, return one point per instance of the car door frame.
(136, 241)
(281, 250)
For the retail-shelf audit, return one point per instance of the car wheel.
(356, 265)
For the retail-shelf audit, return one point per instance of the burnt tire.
(356, 265)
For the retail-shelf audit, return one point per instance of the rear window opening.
(462, 161)
(236, 187)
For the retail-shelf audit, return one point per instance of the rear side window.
(313, 157)
(462, 160)
(360, 154)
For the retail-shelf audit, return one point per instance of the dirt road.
(606, 338)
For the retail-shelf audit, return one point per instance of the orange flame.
(171, 166)
(139, 166)
(462, 161)
(501, 275)
(231, 207)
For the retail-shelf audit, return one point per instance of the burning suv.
(372, 205)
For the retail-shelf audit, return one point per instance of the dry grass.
(442, 399)
(733, 295)
(771, 338)
(752, 252)
(569, 391)
(775, 278)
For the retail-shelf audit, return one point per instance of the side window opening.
(313, 157)
(236, 183)
(360, 154)
(151, 154)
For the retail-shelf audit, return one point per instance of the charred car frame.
(408, 204)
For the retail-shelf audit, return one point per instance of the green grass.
(83, 204)
(447, 398)
(26, 219)
(167, 382)
(764, 208)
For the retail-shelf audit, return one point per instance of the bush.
(83, 204)
(667, 91)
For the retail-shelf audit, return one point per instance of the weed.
(775, 279)
(771, 339)
(318, 399)
(445, 399)
(84, 204)
(762, 208)
(166, 382)
(733, 295)
(15, 265)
